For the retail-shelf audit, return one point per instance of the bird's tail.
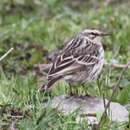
(50, 83)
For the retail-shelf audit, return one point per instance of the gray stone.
(92, 107)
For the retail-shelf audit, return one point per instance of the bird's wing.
(78, 53)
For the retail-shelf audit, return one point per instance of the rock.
(90, 107)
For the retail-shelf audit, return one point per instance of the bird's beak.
(105, 34)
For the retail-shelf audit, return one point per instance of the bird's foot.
(71, 95)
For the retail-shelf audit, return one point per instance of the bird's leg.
(77, 90)
(71, 92)
(86, 90)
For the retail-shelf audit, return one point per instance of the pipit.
(81, 60)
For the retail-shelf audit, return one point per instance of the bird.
(80, 61)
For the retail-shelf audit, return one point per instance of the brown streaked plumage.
(80, 61)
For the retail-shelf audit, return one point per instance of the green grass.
(47, 25)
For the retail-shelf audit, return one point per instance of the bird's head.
(94, 34)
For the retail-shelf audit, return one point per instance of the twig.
(89, 114)
(2, 57)
(113, 93)
(17, 117)
(13, 125)
(116, 66)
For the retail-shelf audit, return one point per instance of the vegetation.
(35, 28)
